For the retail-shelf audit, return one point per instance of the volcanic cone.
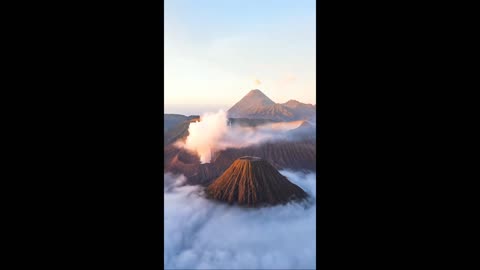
(252, 181)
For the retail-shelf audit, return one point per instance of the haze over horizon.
(197, 109)
(216, 51)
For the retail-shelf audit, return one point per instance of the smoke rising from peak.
(204, 135)
(203, 234)
(213, 134)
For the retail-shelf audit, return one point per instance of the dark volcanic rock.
(252, 181)
(172, 120)
(298, 156)
(176, 126)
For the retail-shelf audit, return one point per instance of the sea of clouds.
(204, 234)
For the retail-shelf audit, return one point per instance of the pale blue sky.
(215, 50)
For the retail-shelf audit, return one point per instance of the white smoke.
(203, 234)
(204, 135)
(213, 134)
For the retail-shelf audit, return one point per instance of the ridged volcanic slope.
(252, 181)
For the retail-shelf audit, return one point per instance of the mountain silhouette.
(256, 105)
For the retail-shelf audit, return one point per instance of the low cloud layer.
(213, 134)
(203, 234)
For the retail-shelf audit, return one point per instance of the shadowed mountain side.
(177, 127)
(171, 120)
(275, 112)
(298, 156)
(305, 132)
(246, 122)
(180, 161)
(253, 182)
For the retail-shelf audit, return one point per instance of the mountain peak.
(292, 102)
(255, 92)
(256, 97)
(252, 101)
(256, 105)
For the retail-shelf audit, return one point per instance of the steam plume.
(213, 134)
(204, 135)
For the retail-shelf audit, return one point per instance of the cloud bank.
(213, 134)
(203, 234)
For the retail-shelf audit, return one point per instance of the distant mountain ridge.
(256, 105)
